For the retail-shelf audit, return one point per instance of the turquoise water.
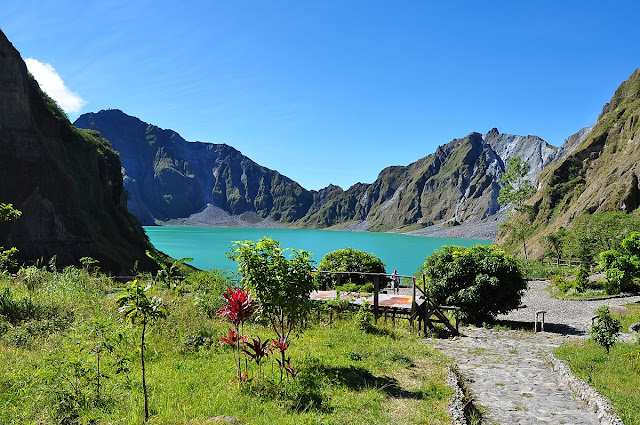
(208, 245)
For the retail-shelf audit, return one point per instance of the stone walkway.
(508, 372)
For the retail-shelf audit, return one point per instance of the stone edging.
(459, 399)
(585, 392)
(608, 297)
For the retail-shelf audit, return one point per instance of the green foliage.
(364, 318)
(349, 260)
(582, 279)
(281, 286)
(556, 242)
(138, 308)
(606, 329)
(517, 189)
(482, 280)
(593, 233)
(7, 212)
(622, 266)
(208, 287)
(167, 274)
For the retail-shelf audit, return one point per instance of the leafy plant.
(7, 212)
(167, 274)
(482, 280)
(257, 350)
(138, 308)
(606, 329)
(281, 286)
(348, 260)
(237, 309)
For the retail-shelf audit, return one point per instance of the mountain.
(67, 182)
(459, 183)
(172, 181)
(597, 172)
(168, 178)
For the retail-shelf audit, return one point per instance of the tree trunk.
(144, 381)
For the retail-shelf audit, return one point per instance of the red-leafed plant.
(237, 309)
(282, 345)
(257, 350)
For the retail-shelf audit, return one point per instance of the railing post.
(376, 289)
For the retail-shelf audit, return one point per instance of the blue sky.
(334, 91)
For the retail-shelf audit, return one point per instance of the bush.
(482, 280)
(349, 260)
(606, 329)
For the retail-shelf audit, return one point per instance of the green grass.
(345, 376)
(630, 317)
(616, 376)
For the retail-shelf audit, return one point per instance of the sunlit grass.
(346, 376)
(616, 376)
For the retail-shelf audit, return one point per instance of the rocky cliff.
(66, 181)
(598, 169)
(172, 181)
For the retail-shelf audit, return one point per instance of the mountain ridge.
(459, 182)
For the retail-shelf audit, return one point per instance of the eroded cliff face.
(67, 182)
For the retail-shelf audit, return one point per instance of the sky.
(332, 91)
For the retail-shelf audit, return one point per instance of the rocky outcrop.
(66, 181)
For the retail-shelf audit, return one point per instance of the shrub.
(606, 329)
(582, 279)
(349, 260)
(482, 280)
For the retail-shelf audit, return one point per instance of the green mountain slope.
(600, 173)
(67, 182)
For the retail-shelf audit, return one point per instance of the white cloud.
(52, 84)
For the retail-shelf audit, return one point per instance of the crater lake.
(208, 245)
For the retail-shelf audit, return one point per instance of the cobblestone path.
(508, 372)
(510, 379)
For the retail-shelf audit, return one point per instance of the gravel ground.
(566, 317)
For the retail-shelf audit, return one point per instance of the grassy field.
(616, 376)
(52, 336)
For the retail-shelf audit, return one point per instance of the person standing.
(395, 281)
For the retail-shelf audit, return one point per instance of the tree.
(140, 309)
(621, 266)
(519, 225)
(348, 260)
(281, 286)
(517, 189)
(7, 213)
(605, 330)
(482, 280)
(556, 242)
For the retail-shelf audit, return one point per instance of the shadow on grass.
(359, 378)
